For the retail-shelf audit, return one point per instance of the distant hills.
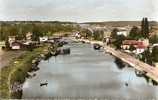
(121, 23)
(107, 23)
(54, 22)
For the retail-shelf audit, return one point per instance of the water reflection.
(121, 65)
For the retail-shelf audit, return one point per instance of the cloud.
(78, 10)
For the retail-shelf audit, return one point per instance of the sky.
(78, 10)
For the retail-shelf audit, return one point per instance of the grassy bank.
(17, 72)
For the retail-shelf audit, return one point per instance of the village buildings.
(138, 46)
(43, 39)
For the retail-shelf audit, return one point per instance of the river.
(86, 73)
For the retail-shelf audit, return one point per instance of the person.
(126, 84)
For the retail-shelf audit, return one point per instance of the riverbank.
(17, 71)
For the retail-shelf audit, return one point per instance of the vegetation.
(120, 64)
(19, 29)
(135, 33)
(155, 54)
(114, 33)
(16, 72)
(147, 57)
(145, 28)
(86, 33)
(118, 39)
(153, 39)
(98, 35)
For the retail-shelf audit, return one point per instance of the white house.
(140, 49)
(11, 39)
(43, 39)
(156, 44)
(122, 33)
(27, 43)
(29, 36)
(16, 46)
(78, 35)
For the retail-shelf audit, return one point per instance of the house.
(77, 35)
(29, 36)
(140, 49)
(51, 39)
(138, 46)
(142, 42)
(27, 42)
(125, 33)
(55, 39)
(107, 40)
(11, 39)
(16, 45)
(156, 44)
(43, 39)
(126, 44)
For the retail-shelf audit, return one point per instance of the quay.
(151, 72)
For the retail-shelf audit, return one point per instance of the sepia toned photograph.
(78, 50)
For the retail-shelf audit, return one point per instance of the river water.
(86, 73)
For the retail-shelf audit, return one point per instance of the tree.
(145, 28)
(119, 40)
(36, 32)
(153, 39)
(98, 35)
(114, 33)
(7, 45)
(134, 33)
(86, 33)
(36, 27)
(155, 54)
(147, 55)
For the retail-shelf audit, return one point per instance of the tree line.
(37, 28)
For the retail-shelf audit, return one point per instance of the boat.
(140, 73)
(64, 51)
(96, 46)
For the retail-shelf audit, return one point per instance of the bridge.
(151, 72)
